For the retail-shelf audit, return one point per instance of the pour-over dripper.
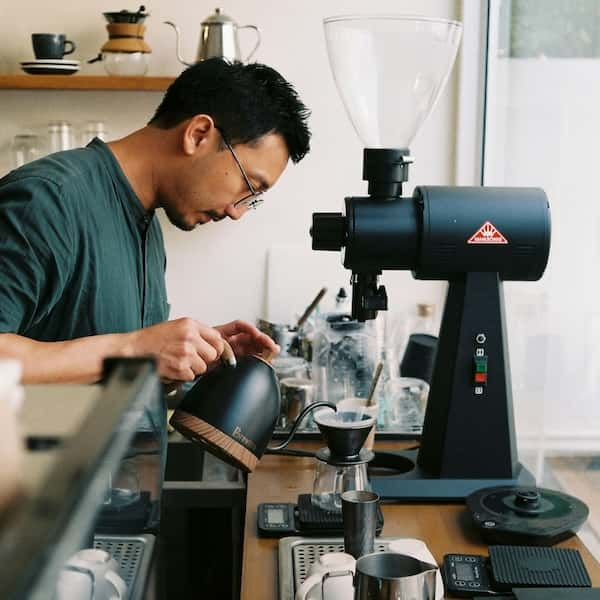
(390, 71)
(344, 432)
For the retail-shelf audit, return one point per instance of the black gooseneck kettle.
(232, 410)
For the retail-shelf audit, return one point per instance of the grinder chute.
(390, 71)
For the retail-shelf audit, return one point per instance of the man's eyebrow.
(264, 186)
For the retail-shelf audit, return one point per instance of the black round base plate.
(364, 456)
(525, 515)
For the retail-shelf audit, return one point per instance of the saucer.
(49, 69)
(44, 61)
(50, 66)
(49, 61)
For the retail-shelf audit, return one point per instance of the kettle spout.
(178, 44)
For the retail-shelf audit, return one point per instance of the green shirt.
(79, 254)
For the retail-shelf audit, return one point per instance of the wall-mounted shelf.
(83, 82)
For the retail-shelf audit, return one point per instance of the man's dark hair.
(245, 101)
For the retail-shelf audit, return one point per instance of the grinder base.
(416, 485)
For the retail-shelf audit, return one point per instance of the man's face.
(207, 183)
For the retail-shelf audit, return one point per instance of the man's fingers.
(197, 364)
(264, 340)
(207, 352)
(237, 326)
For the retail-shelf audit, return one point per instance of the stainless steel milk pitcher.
(392, 576)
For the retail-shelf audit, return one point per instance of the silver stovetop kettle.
(218, 38)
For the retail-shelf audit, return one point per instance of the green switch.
(481, 364)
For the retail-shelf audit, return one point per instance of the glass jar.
(93, 129)
(60, 136)
(26, 147)
(406, 401)
(345, 355)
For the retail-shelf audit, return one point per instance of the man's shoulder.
(63, 179)
(60, 170)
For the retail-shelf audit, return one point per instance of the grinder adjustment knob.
(328, 231)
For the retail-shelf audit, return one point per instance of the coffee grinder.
(389, 72)
(340, 466)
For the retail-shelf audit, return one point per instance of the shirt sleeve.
(36, 251)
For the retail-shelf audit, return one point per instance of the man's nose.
(235, 213)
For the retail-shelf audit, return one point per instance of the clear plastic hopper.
(390, 71)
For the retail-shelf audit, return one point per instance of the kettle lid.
(218, 18)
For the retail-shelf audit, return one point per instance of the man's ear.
(199, 130)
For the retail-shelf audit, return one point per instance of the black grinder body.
(429, 234)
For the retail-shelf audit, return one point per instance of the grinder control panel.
(480, 365)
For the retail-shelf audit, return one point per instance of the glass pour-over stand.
(341, 466)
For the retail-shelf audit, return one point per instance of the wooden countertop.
(445, 528)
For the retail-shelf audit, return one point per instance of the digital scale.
(278, 519)
(509, 567)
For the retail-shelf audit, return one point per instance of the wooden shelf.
(83, 82)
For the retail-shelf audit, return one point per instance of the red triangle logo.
(487, 234)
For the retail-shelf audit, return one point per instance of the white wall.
(219, 272)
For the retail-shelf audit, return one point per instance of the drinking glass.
(60, 136)
(26, 147)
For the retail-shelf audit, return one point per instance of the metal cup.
(296, 394)
(391, 576)
(359, 514)
(285, 336)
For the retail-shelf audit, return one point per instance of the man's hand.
(184, 348)
(245, 339)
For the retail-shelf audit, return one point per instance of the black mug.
(419, 357)
(51, 45)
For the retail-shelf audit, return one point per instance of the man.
(81, 252)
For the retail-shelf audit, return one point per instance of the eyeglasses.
(254, 199)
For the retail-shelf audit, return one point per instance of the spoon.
(311, 308)
(374, 383)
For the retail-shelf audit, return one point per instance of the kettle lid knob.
(218, 18)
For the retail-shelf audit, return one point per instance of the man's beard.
(177, 219)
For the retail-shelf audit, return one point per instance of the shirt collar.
(129, 199)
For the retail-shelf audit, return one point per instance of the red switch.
(480, 377)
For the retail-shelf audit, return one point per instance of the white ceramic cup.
(360, 405)
(333, 574)
(11, 442)
(91, 574)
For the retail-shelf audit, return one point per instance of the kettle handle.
(258, 40)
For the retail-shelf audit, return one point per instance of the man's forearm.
(73, 361)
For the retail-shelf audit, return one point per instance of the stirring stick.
(374, 384)
(311, 307)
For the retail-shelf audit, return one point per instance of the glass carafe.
(331, 480)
